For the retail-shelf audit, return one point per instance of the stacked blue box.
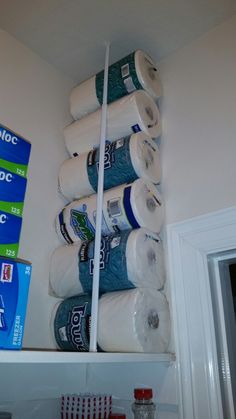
(14, 159)
(14, 152)
(14, 286)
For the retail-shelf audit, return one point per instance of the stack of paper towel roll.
(132, 272)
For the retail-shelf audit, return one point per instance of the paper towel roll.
(73, 177)
(70, 323)
(64, 271)
(134, 321)
(128, 321)
(125, 160)
(83, 98)
(133, 72)
(145, 259)
(133, 113)
(138, 204)
(129, 259)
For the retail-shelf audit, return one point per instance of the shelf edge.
(43, 356)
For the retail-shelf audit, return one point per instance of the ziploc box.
(10, 228)
(14, 286)
(14, 152)
(12, 192)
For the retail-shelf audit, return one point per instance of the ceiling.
(70, 34)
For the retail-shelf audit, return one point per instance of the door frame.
(189, 244)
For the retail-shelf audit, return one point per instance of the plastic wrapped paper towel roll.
(128, 321)
(125, 160)
(133, 72)
(135, 205)
(134, 321)
(70, 323)
(129, 259)
(64, 271)
(128, 115)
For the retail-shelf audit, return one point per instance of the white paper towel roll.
(134, 321)
(125, 160)
(83, 98)
(135, 205)
(133, 113)
(128, 321)
(64, 271)
(145, 259)
(133, 72)
(73, 178)
(129, 260)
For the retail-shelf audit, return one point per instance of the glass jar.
(143, 406)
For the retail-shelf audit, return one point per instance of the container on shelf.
(14, 286)
(143, 406)
(14, 152)
(14, 159)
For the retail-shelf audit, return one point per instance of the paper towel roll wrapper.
(138, 204)
(134, 72)
(64, 271)
(128, 321)
(134, 321)
(129, 259)
(70, 323)
(125, 160)
(130, 114)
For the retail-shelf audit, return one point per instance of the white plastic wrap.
(133, 113)
(126, 160)
(138, 204)
(140, 261)
(134, 321)
(84, 98)
(64, 271)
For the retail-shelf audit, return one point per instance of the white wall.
(199, 125)
(34, 103)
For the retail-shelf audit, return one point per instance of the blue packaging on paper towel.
(10, 228)
(113, 268)
(117, 164)
(14, 286)
(72, 323)
(14, 152)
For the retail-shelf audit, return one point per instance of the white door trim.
(188, 244)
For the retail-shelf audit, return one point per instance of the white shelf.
(43, 356)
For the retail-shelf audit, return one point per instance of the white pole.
(98, 234)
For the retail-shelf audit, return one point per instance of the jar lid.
(143, 393)
(117, 416)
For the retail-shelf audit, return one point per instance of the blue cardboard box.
(12, 192)
(10, 228)
(14, 287)
(14, 152)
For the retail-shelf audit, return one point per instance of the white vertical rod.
(98, 233)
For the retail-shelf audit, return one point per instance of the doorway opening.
(222, 268)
